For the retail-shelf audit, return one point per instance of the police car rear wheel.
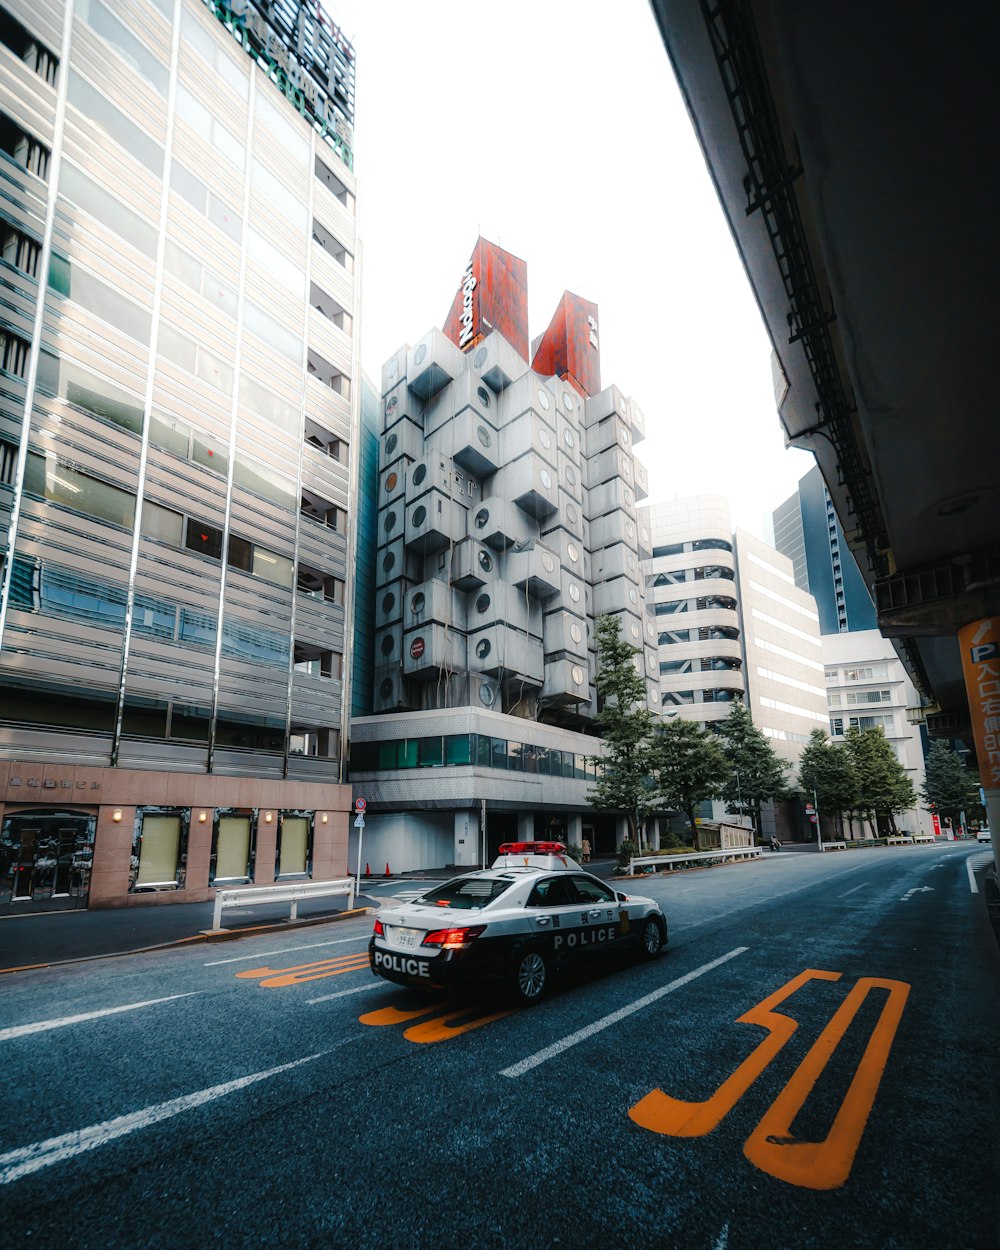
(650, 939)
(531, 976)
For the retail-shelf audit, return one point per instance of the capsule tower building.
(506, 525)
(177, 415)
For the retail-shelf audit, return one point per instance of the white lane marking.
(581, 1035)
(723, 1239)
(851, 891)
(798, 889)
(362, 989)
(242, 959)
(42, 1154)
(42, 1026)
(973, 864)
(918, 889)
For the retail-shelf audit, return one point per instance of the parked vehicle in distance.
(516, 928)
(984, 835)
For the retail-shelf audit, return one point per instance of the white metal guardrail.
(696, 857)
(293, 894)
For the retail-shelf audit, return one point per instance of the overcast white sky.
(556, 129)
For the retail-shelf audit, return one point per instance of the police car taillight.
(379, 929)
(453, 939)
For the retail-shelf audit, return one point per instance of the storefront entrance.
(45, 860)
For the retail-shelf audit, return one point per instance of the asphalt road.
(271, 1092)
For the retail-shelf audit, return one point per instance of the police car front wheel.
(531, 976)
(650, 938)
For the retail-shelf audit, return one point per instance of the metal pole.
(361, 834)
(819, 831)
(482, 829)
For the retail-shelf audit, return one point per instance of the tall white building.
(867, 686)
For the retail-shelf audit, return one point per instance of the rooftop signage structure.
(305, 54)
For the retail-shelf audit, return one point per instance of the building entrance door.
(45, 860)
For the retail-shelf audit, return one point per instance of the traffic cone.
(368, 871)
(387, 872)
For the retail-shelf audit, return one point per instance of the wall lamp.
(202, 817)
(268, 817)
(324, 818)
(116, 815)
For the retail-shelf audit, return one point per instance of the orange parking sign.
(980, 647)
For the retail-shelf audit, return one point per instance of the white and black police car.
(519, 924)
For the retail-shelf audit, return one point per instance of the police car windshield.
(467, 892)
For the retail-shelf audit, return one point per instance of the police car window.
(593, 891)
(552, 892)
(468, 892)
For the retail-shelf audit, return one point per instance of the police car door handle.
(543, 920)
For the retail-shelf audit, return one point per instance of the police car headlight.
(453, 939)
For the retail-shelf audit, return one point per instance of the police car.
(520, 923)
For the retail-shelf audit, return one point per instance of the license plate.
(399, 936)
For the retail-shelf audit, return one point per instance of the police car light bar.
(532, 848)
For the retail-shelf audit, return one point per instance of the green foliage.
(627, 849)
(828, 771)
(883, 786)
(689, 765)
(756, 772)
(948, 785)
(574, 852)
(625, 782)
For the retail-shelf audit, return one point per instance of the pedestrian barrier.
(696, 857)
(924, 837)
(834, 846)
(898, 839)
(293, 894)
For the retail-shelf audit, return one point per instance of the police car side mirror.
(622, 898)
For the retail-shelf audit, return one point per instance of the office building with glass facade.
(177, 417)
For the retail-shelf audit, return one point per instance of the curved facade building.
(691, 582)
(178, 417)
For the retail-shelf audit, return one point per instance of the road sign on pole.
(359, 820)
(360, 805)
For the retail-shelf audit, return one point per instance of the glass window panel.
(106, 209)
(170, 432)
(228, 144)
(197, 628)
(285, 126)
(206, 540)
(87, 290)
(244, 641)
(210, 451)
(96, 106)
(188, 186)
(194, 113)
(293, 852)
(406, 754)
(194, 358)
(159, 850)
(59, 273)
(429, 752)
(202, 42)
(154, 617)
(266, 327)
(290, 207)
(269, 406)
(386, 758)
(63, 593)
(78, 386)
(58, 483)
(457, 749)
(124, 42)
(161, 523)
(265, 481)
(232, 849)
(289, 274)
(270, 567)
(484, 750)
(240, 553)
(226, 218)
(499, 753)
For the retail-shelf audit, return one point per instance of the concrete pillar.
(621, 830)
(979, 643)
(574, 830)
(468, 843)
(654, 833)
(526, 826)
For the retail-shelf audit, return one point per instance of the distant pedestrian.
(585, 847)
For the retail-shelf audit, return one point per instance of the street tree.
(689, 767)
(827, 773)
(884, 790)
(625, 780)
(949, 786)
(756, 772)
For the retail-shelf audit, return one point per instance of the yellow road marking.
(274, 978)
(438, 1029)
(827, 1164)
(660, 1113)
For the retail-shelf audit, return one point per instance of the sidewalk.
(40, 939)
